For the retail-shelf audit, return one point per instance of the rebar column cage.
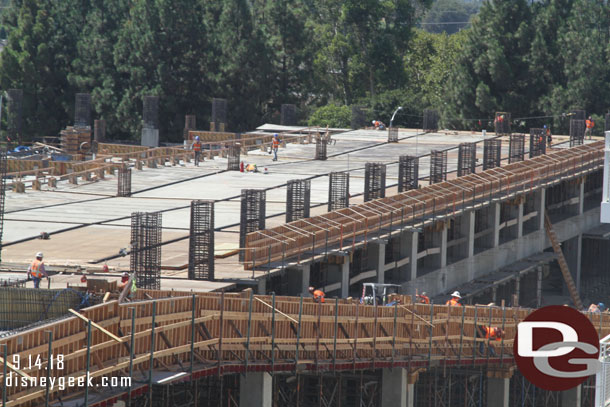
(502, 123)
(99, 130)
(124, 182)
(321, 145)
(338, 191)
(14, 109)
(358, 120)
(467, 159)
(219, 112)
(438, 166)
(537, 142)
(252, 215)
(577, 132)
(190, 123)
(578, 114)
(408, 173)
(374, 181)
(431, 117)
(82, 110)
(3, 170)
(150, 113)
(516, 148)
(201, 241)
(298, 199)
(393, 135)
(233, 157)
(607, 124)
(289, 115)
(492, 153)
(145, 256)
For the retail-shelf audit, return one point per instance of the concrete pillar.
(539, 287)
(255, 390)
(442, 244)
(395, 391)
(498, 391)
(345, 279)
(339, 273)
(540, 204)
(376, 261)
(261, 288)
(572, 251)
(572, 397)
(520, 220)
(467, 230)
(581, 196)
(411, 243)
(298, 279)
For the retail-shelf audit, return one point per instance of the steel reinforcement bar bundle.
(220, 333)
(343, 228)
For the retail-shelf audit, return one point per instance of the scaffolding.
(502, 123)
(408, 173)
(234, 157)
(467, 159)
(3, 169)
(14, 109)
(577, 132)
(374, 181)
(537, 142)
(516, 148)
(492, 153)
(431, 117)
(150, 115)
(99, 130)
(438, 166)
(190, 123)
(124, 182)
(321, 144)
(145, 262)
(82, 110)
(298, 199)
(338, 191)
(219, 114)
(358, 119)
(201, 241)
(393, 135)
(252, 215)
(289, 115)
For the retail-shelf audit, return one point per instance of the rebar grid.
(438, 166)
(252, 215)
(431, 117)
(408, 173)
(516, 148)
(150, 114)
(492, 153)
(502, 123)
(124, 182)
(233, 157)
(219, 111)
(577, 132)
(467, 157)
(145, 262)
(338, 191)
(14, 107)
(537, 142)
(201, 241)
(374, 181)
(99, 130)
(578, 114)
(82, 110)
(321, 144)
(393, 135)
(289, 115)
(298, 199)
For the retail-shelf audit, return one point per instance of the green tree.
(332, 116)
(449, 16)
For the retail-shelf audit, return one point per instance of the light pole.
(394, 115)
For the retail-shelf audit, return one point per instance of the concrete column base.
(395, 389)
(498, 391)
(255, 390)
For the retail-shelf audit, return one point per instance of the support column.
(495, 223)
(520, 220)
(498, 390)
(345, 279)
(255, 390)
(467, 230)
(539, 287)
(338, 274)
(581, 196)
(298, 279)
(261, 286)
(411, 243)
(540, 204)
(572, 397)
(572, 251)
(395, 391)
(439, 239)
(376, 250)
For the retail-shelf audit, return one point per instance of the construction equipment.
(378, 294)
(563, 265)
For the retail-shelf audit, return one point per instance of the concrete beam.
(255, 390)
(467, 230)
(395, 391)
(498, 391)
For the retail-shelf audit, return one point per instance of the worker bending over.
(455, 300)
(318, 295)
(36, 270)
(597, 308)
(489, 333)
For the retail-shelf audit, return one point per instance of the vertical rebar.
(438, 166)
(193, 306)
(467, 156)
(201, 241)
(252, 215)
(374, 181)
(87, 362)
(338, 191)
(298, 199)
(492, 153)
(408, 173)
(249, 331)
(49, 367)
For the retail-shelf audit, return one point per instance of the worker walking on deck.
(489, 333)
(589, 124)
(549, 136)
(318, 295)
(275, 145)
(455, 300)
(197, 150)
(36, 271)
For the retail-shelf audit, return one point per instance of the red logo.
(556, 348)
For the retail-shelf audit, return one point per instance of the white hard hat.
(39, 254)
(373, 122)
(456, 294)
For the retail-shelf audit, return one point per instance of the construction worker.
(597, 308)
(36, 270)
(589, 124)
(489, 333)
(275, 145)
(455, 299)
(423, 298)
(318, 295)
(379, 125)
(197, 149)
(549, 136)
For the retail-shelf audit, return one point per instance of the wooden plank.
(110, 334)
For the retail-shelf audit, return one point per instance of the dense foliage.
(532, 59)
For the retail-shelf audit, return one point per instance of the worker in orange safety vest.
(36, 271)
(423, 298)
(489, 333)
(455, 300)
(275, 145)
(197, 150)
(318, 295)
(589, 124)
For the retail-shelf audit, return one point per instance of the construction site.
(182, 278)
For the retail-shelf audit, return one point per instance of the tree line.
(530, 59)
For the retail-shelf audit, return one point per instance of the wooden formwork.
(345, 227)
(235, 332)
